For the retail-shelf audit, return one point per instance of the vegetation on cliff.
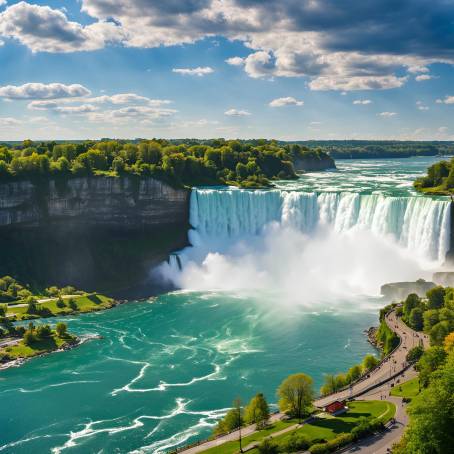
(433, 314)
(216, 162)
(439, 179)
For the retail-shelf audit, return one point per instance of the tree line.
(439, 178)
(217, 162)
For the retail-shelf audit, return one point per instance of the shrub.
(61, 303)
(61, 329)
(267, 447)
(72, 304)
(295, 442)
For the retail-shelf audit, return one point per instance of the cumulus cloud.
(387, 114)
(423, 77)
(237, 113)
(288, 101)
(446, 100)
(199, 71)
(43, 91)
(337, 44)
(235, 61)
(44, 29)
(362, 102)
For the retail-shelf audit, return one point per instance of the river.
(275, 282)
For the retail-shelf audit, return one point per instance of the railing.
(366, 375)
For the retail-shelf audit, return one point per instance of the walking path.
(373, 386)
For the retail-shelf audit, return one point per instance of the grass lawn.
(408, 389)
(85, 303)
(233, 446)
(40, 346)
(326, 429)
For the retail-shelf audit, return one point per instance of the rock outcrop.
(96, 233)
(313, 162)
(400, 290)
(113, 202)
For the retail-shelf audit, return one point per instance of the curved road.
(375, 386)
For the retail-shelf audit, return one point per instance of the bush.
(72, 304)
(267, 447)
(294, 443)
(414, 354)
(43, 332)
(60, 303)
(29, 338)
(61, 329)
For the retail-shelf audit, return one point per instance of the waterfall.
(307, 246)
(420, 224)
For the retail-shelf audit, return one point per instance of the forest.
(439, 179)
(215, 162)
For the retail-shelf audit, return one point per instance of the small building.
(336, 408)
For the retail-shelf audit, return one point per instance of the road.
(375, 386)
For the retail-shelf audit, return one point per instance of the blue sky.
(288, 69)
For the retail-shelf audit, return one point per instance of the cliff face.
(96, 233)
(313, 163)
(112, 202)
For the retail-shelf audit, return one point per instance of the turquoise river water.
(275, 282)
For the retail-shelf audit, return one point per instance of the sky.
(283, 69)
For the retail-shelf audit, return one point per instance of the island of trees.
(439, 179)
(215, 162)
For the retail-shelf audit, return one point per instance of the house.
(336, 408)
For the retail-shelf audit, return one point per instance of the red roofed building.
(336, 408)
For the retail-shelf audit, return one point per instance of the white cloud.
(237, 113)
(442, 129)
(44, 29)
(235, 61)
(387, 114)
(447, 100)
(362, 102)
(357, 83)
(43, 91)
(421, 105)
(84, 108)
(199, 71)
(9, 122)
(422, 77)
(288, 101)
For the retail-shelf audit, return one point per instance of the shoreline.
(69, 346)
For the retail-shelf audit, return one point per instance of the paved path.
(392, 370)
(9, 341)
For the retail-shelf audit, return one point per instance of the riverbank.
(18, 353)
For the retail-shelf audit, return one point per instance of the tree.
(61, 329)
(32, 307)
(43, 332)
(329, 386)
(369, 362)
(432, 416)
(257, 411)
(435, 297)
(439, 332)
(354, 373)
(73, 304)
(29, 338)
(449, 342)
(415, 320)
(231, 421)
(430, 361)
(296, 395)
(414, 354)
(3, 309)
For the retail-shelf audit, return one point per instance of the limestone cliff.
(113, 202)
(98, 233)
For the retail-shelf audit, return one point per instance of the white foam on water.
(308, 247)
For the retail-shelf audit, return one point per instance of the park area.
(323, 428)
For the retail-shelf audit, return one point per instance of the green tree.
(296, 395)
(439, 332)
(431, 360)
(415, 320)
(354, 373)
(415, 354)
(32, 307)
(410, 303)
(268, 446)
(61, 329)
(435, 297)
(369, 362)
(257, 411)
(233, 419)
(432, 416)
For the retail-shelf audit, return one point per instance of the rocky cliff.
(313, 162)
(98, 233)
(113, 202)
